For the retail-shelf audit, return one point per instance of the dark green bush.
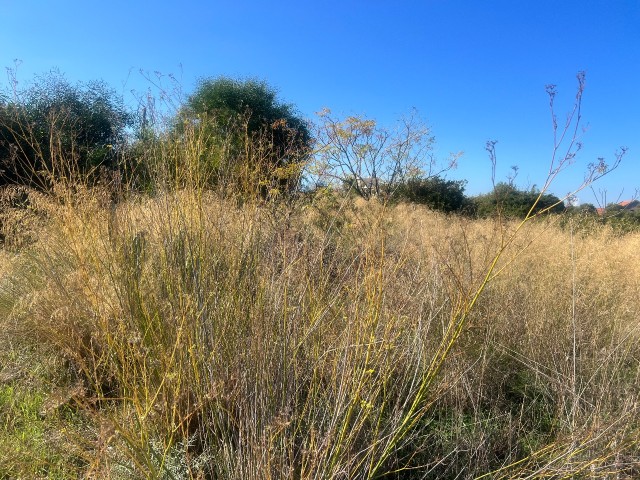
(249, 136)
(435, 192)
(510, 202)
(54, 129)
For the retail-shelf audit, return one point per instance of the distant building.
(369, 185)
(627, 205)
(630, 204)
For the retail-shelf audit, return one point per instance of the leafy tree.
(621, 218)
(435, 192)
(586, 209)
(508, 201)
(583, 218)
(55, 129)
(613, 209)
(373, 160)
(249, 134)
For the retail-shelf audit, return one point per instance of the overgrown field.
(181, 335)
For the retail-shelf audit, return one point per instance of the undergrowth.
(189, 336)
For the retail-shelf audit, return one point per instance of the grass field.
(183, 335)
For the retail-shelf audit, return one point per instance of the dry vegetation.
(183, 335)
(215, 327)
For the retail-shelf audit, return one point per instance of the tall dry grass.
(192, 336)
(200, 331)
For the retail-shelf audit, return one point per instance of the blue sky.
(475, 70)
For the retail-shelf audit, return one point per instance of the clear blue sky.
(475, 70)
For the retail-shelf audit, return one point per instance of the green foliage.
(586, 209)
(510, 202)
(587, 219)
(621, 218)
(225, 98)
(54, 129)
(248, 135)
(435, 192)
(30, 443)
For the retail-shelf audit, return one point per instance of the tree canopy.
(262, 134)
(55, 128)
(435, 192)
(374, 160)
(509, 201)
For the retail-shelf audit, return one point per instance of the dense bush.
(621, 219)
(435, 192)
(54, 129)
(508, 201)
(248, 136)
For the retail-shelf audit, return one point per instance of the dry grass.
(187, 336)
(185, 333)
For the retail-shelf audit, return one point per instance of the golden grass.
(204, 338)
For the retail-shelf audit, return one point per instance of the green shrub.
(54, 130)
(435, 192)
(510, 202)
(248, 136)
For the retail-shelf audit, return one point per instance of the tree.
(435, 192)
(373, 160)
(54, 129)
(265, 141)
(508, 201)
(585, 209)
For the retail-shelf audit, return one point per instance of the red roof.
(624, 204)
